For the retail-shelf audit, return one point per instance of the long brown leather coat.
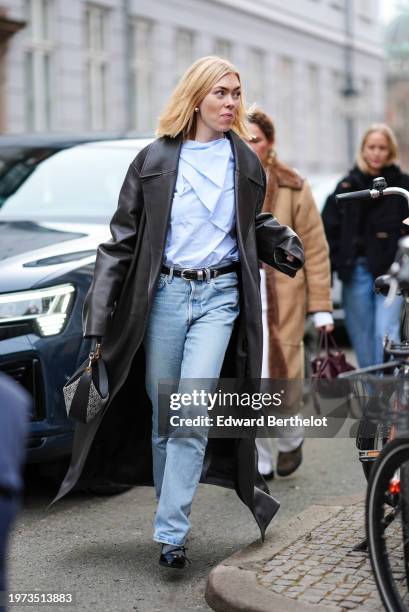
(116, 444)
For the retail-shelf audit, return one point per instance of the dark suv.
(56, 199)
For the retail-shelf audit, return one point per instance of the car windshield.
(76, 183)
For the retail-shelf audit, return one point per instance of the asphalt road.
(101, 549)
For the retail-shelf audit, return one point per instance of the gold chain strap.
(94, 356)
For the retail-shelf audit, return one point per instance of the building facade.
(315, 65)
(397, 81)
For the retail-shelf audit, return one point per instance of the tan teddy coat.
(289, 198)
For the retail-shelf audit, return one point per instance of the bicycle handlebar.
(365, 194)
(379, 188)
(399, 271)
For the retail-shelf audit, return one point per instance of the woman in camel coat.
(289, 198)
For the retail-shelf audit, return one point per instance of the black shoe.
(269, 476)
(175, 558)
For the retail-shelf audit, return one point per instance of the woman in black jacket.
(363, 237)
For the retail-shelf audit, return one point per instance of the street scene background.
(323, 70)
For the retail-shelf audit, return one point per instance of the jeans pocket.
(161, 281)
(225, 282)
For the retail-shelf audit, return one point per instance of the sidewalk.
(306, 565)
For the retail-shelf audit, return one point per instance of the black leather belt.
(200, 274)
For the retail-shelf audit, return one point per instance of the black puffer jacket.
(380, 231)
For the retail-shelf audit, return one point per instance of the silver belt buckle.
(182, 274)
(200, 274)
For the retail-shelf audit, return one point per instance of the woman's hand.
(323, 321)
(327, 328)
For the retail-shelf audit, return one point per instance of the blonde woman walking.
(175, 295)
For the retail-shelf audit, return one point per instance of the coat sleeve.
(276, 241)
(114, 257)
(308, 225)
(332, 215)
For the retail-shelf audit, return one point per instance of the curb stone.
(232, 585)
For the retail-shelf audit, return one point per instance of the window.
(38, 64)
(285, 107)
(365, 9)
(223, 48)
(184, 44)
(365, 113)
(142, 75)
(61, 185)
(255, 81)
(96, 65)
(313, 114)
(338, 4)
(338, 135)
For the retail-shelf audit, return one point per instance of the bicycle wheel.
(404, 504)
(386, 543)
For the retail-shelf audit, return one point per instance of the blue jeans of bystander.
(366, 316)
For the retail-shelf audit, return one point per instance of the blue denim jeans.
(366, 316)
(188, 332)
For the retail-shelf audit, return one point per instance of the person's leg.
(8, 512)
(265, 456)
(358, 300)
(264, 309)
(290, 438)
(213, 308)
(264, 448)
(164, 343)
(290, 443)
(387, 321)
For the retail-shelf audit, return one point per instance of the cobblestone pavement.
(321, 568)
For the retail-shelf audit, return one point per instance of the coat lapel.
(249, 183)
(158, 175)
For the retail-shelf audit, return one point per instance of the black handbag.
(86, 393)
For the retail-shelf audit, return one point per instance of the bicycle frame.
(387, 467)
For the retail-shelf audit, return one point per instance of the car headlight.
(48, 308)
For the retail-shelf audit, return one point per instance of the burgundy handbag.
(329, 362)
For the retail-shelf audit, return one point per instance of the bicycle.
(386, 424)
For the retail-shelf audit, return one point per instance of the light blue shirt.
(202, 229)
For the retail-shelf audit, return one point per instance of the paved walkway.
(313, 567)
(322, 568)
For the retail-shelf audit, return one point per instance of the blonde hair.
(386, 131)
(179, 113)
